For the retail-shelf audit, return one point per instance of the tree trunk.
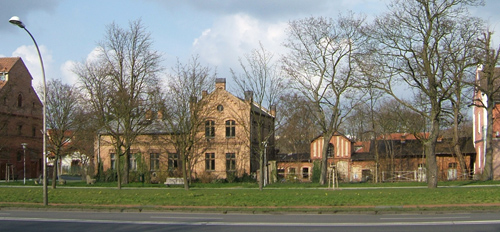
(488, 166)
(184, 170)
(261, 170)
(430, 150)
(126, 166)
(118, 172)
(456, 146)
(54, 172)
(324, 158)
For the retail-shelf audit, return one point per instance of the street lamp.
(16, 21)
(24, 162)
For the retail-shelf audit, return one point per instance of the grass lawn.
(246, 196)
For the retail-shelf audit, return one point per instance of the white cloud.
(233, 36)
(30, 58)
(68, 76)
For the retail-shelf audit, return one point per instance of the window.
(329, 151)
(305, 172)
(210, 161)
(220, 108)
(19, 100)
(19, 156)
(132, 162)
(209, 129)
(230, 129)
(173, 161)
(113, 161)
(19, 129)
(230, 162)
(33, 131)
(154, 161)
(452, 165)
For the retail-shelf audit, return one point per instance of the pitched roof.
(6, 63)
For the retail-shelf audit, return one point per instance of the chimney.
(149, 115)
(249, 96)
(160, 115)
(220, 83)
(273, 110)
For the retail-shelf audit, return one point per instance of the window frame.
(112, 160)
(154, 161)
(173, 161)
(209, 161)
(231, 162)
(210, 129)
(230, 128)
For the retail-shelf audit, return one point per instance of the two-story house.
(228, 142)
(20, 122)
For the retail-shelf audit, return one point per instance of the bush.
(206, 178)
(231, 177)
(110, 175)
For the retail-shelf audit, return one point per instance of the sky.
(218, 31)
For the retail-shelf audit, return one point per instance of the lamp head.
(16, 21)
(24, 145)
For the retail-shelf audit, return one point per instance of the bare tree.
(462, 47)
(410, 48)
(297, 128)
(185, 114)
(321, 65)
(119, 86)
(488, 83)
(62, 110)
(262, 77)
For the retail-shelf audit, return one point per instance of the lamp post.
(24, 162)
(16, 21)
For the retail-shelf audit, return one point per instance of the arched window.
(209, 129)
(330, 151)
(19, 100)
(230, 129)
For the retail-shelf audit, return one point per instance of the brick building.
(227, 142)
(480, 123)
(401, 158)
(338, 154)
(20, 121)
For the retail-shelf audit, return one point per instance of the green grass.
(247, 196)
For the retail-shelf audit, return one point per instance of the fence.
(404, 176)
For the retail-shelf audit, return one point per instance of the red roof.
(6, 63)
(362, 146)
(402, 136)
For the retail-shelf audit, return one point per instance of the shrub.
(231, 177)
(206, 177)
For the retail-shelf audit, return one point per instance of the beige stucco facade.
(225, 143)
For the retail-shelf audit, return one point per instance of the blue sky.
(219, 31)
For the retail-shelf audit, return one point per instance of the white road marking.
(423, 218)
(194, 218)
(275, 224)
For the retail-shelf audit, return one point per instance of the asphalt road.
(27, 220)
